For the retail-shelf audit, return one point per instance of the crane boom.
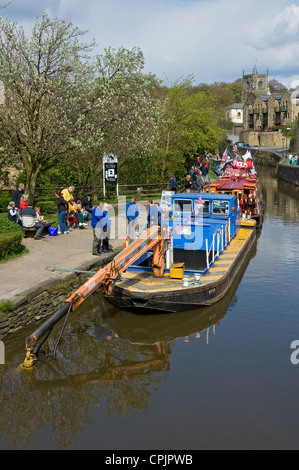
(104, 278)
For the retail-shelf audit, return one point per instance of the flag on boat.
(242, 165)
(247, 156)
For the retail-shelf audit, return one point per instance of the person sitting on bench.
(29, 220)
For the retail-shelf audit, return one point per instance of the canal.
(216, 378)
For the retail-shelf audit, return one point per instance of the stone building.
(264, 115)
(268, 112)
(295, 103)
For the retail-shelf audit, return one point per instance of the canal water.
(223, 377)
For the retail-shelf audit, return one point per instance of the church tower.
(254, 83)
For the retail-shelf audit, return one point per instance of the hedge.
(4, 203)
(10, 244)
(11, 236)
(46, 207)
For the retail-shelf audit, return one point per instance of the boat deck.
(144, 281)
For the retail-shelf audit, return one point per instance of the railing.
(221, 239)
(97, 191)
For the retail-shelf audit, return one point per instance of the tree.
(189, 126)
(43, 76)
(122, 112)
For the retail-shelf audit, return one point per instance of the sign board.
(110, 170)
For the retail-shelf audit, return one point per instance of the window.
(220, 207)
(182, 205)
(200, 209)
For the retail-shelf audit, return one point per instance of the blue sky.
(214, 40)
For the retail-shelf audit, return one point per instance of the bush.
(10, 244)
(4, 203)
(11, 236)
(6, 226)
(46, 207)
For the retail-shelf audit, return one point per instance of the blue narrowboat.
(207, 243)
(193, 259)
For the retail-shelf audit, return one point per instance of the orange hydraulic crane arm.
(104, 278)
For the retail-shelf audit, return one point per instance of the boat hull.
(125, 296)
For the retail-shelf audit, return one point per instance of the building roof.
(236, 106)
(295, 93)
(265, 98)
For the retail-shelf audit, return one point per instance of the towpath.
(27, 273)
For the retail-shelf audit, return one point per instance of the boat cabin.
(243, 184)
(202, 226)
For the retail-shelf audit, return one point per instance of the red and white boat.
(238, 176)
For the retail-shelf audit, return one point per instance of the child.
(39, 217)
(14, 215)
(24, 202)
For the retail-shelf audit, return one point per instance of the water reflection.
(281, 199)
(109, 360)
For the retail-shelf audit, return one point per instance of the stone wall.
(289, 173)
(44, 300)
(38, 305)
(263, 139)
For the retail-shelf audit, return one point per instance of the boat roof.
(205, 196)
(234, 184)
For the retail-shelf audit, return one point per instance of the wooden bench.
(30, 232)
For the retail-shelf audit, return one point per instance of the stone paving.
(22, 276)
(71, 251)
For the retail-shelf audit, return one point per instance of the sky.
(212, 40)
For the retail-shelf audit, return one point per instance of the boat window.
(182, 205)
(220, 207)
(200, 208)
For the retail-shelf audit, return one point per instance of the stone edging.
(289, 173)
(42, 300)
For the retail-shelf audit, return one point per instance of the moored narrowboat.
(192, 260)
(240, 178)
(206, 244)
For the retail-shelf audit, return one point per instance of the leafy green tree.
(189, 126)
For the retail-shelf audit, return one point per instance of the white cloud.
(212, 39)
(281, 31)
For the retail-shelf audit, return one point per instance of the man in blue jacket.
(96, 216)
(153, 214)
(132, 214)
